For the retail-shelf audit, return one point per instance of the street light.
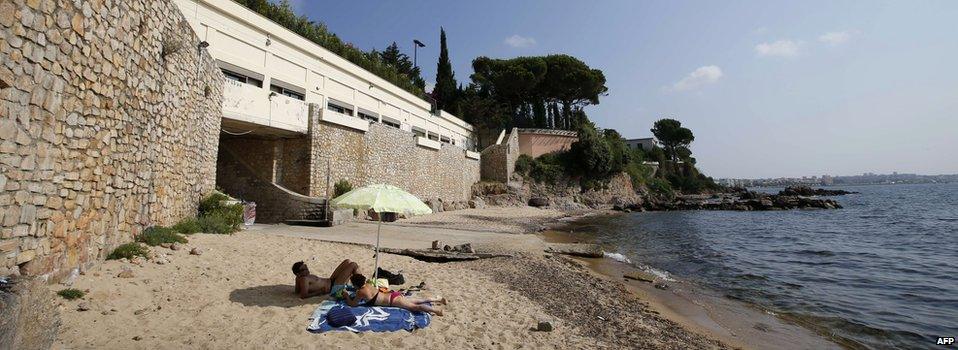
(414, 51)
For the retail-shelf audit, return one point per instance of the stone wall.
(274, 203)
(388, 155)
(284, 161)
(499, 161)
(109, 116)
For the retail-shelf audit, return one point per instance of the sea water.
(880, 273)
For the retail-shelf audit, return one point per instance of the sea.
(881, 273)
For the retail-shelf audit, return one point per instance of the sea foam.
(617, 257)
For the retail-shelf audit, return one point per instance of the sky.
(769, 88)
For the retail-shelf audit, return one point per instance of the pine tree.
(445, 90)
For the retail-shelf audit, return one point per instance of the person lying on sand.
(308, 285)
(370, 295)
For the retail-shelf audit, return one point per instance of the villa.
(298, 118)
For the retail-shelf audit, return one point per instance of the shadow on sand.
(280, 295)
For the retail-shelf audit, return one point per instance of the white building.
(645, 144)
(274, 74)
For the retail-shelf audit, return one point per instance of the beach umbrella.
(381, 198)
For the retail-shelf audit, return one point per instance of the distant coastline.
(852, 180)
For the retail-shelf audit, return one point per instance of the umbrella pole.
(379, 229)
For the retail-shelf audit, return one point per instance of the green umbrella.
(381, 198)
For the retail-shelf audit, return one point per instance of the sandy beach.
(238, 294)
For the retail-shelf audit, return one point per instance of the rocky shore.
(741, 201)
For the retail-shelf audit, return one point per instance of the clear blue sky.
(769, 88)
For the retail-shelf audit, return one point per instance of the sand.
(238, 294)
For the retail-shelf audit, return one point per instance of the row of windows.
(330, 106)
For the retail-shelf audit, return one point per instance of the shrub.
(188, 226)
(219, 223)
(156, 235)
(524, 164)
(212, 202)
(128, 251)
(71, 293)
(341, 187)
(661, 187)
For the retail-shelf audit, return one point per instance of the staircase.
(274, 203)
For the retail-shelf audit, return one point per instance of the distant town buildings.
(829, 180)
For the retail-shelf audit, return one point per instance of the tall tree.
(392, 56)
(445, 90)
(675, 138)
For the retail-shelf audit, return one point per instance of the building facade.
(645, 144)
(302, 118)
(536, 142)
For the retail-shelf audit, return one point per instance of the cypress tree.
(445, 90)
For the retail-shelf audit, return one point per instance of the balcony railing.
(253, 104)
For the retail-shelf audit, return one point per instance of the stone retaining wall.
(109, 116)
(388, 155)
(499, 161)
(273, 203)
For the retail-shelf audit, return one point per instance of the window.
(433, 137)
(367, 116)
(419, 132)
(444, 139)
(339, 109)
(287, 92)
(231, 75)
(391, 123)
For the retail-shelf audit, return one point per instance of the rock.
(139, 312)
(662, 286)
(83, 307)
(544, 326)
(136, 261)
(197, 251)
(808, 191)
(538, 202)
(640, 276)
(465, 248)
(166, 245)
(477, 203)
(125, 272)
(576, 249)
(137, 338)
(176, 246)
(447, 248)
(436, 245)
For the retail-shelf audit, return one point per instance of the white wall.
(239, 37)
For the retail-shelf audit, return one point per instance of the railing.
(253, 104)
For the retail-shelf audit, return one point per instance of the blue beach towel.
(369, 319)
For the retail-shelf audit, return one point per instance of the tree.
(401, 62)
(543, 91)
(673, 137)
(445, 90)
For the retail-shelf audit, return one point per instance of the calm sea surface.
(881, 273)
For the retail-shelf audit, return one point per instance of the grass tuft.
(128, 251)
(71, 293)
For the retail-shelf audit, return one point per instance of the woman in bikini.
(368, 294)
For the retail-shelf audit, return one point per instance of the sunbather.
(309, 285)
(368, 294)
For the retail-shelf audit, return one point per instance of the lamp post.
(414, 51)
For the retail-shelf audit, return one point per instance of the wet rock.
(662, 286)
(437, 245)
(576, 249)
(538, 202)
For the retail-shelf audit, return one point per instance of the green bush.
(128, 251)
(156, 235)
(213, 202)
(219, 223)
(661, 187)
(341, 187)
(524, 164)
(188, 226)
(71, 293)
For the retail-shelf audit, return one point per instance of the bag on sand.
(393, 278)
(341, 317)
